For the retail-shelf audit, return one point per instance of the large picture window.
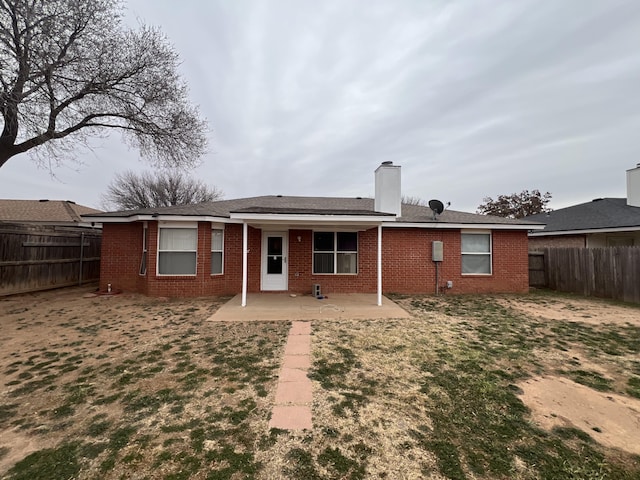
(335, 252)
(177, 251)
(217, 251)
(476, 253)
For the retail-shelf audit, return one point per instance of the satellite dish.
(437, 206)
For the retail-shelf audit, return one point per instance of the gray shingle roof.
(277, 204)
(61, 212)
(597, 214)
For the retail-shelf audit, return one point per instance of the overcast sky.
(471, 98)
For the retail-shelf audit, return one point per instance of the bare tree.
(409, 200)
(129, 191)
(516, 205)
(70, 70)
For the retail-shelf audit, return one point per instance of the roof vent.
(597, 199)
(388, 162)
(279, 196)
(43, 200)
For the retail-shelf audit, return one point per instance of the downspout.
(380, 265)
(245, 232)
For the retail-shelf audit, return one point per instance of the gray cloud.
(473, 99)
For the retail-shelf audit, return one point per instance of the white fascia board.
(474, 226)
(151, 218)
(302, 219)
(589, 231)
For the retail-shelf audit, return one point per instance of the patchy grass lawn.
(134, 387)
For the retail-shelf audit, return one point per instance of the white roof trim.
(586, 231)
(474, 226)
(308, 218)
(152, 218)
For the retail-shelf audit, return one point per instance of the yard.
(472, 387)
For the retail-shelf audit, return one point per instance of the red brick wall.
(407, 265)
(408, 268)
(537, 244)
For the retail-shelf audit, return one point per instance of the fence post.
(81, 258)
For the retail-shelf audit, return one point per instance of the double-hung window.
(476, 253)
(177, 250)
(217, 251)
(335, 252)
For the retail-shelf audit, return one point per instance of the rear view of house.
(293, 244)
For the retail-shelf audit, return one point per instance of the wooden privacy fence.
(34, 257)
(612, 272)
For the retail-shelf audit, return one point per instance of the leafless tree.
(129, 190)
(516, 205)
(409, 200)
(69, 70)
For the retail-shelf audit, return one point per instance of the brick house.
(289, 244)
(602, 222)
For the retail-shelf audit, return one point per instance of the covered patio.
(282, 306)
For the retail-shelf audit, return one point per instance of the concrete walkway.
(292, 409)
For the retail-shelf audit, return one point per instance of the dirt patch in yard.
(593, 312)
(610, 419)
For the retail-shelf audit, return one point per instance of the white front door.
(274, 260)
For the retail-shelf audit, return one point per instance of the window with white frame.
(476, 253)
(177, 250)
(335, 252)
(143, 260)
(217, 251)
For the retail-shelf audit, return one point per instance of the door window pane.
(274, 264)
(274, 246)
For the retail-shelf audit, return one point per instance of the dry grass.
(133, 387)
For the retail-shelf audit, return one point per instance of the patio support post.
(379, 265)
(245, 242)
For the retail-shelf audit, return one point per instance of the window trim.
(334, 252)
(221, 229)
(144, 261)
(176, 225)
(489, 253)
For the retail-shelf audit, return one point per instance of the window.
(335, 252)
(177, 251)
(476, 253)
(217, 249)
(143, 260)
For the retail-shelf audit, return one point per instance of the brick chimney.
(633, 186)
(388, 192)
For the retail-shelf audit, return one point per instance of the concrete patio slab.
(282, 306)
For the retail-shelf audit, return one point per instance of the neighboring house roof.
(58, 212)
(601, 214)
(318, 206)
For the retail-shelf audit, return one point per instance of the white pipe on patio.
(245, 234)
(379, 265)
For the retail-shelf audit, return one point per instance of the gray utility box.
(437, 251)
(315, 291)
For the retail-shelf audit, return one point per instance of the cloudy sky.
(472, 98)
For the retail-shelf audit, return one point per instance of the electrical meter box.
(437, 251)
